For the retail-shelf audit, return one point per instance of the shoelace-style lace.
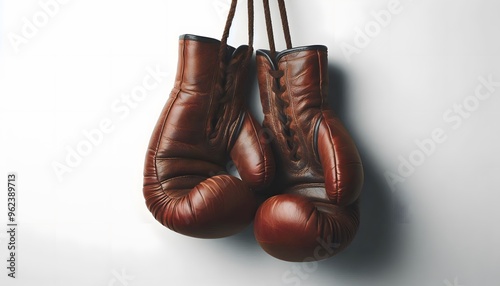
(282, 116)
(225, 78)
(224, 99)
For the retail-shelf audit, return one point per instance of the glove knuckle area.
(296, 228)
(206, 208)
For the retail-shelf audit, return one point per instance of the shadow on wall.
(376, 243)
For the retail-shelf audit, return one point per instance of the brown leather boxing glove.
(319, 172)
(205, 123)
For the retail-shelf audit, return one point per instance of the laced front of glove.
(284, 118)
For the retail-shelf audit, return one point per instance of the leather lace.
(277, 88)
(225, 74)
(284, 119)
(284, 24)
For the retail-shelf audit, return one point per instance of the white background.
(91, 227)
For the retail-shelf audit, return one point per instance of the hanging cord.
(269, 26)
(229, 21)
(277, 88)
(250, 27)
(226, 72)
(225, 34)
(284, 23)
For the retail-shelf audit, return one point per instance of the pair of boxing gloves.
(300, 172)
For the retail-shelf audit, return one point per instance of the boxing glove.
(205, 123)
(319, 174)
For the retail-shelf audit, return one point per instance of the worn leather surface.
(202, 126)
(319, 174)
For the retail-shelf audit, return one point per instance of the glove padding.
(186, 185)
